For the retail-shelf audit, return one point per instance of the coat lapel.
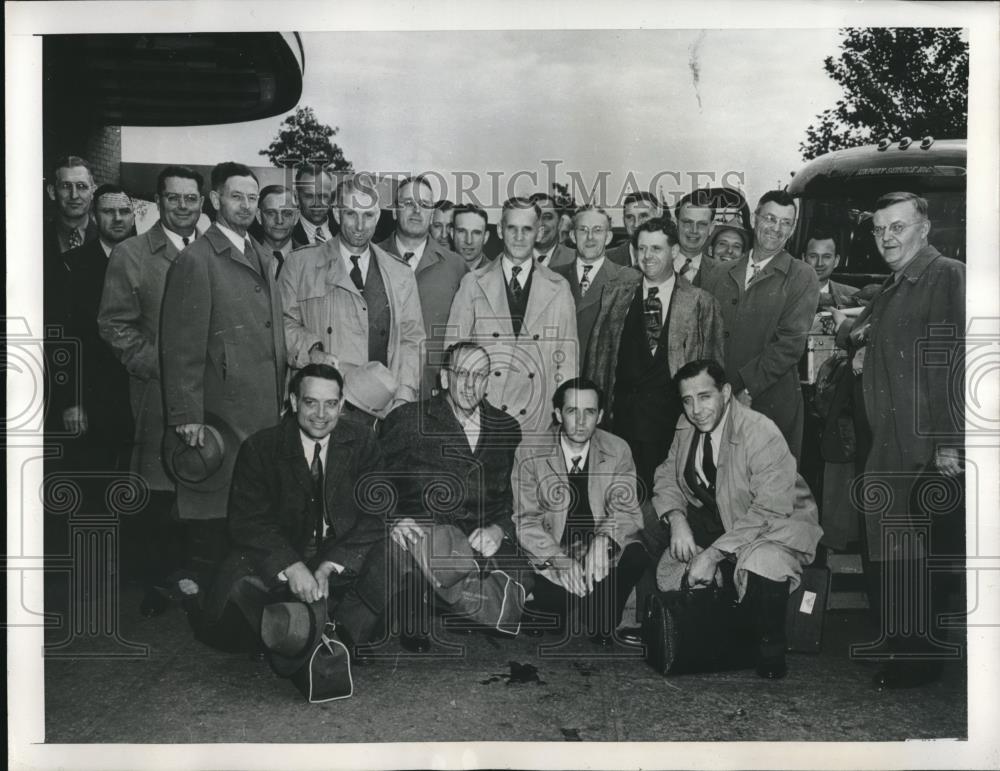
(543, 292)
(294, 455)
(597, 283)
(491, 284)
(682, 315)
(338, 456)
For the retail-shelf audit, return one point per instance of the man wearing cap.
(729, 242)
(347, 301)
(549, 249)
(221, 341)
(128, 320)
(523, 314)
(636, 209)
(437, 269)
(457, 449)
(298, 526)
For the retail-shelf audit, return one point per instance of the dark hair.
(701, 198)
(444, 205)
(455, 348)
(539, 197)
(272, 190)
(109, 188)
(730, 227)
(780, 197)
(181, 172)
(696, 367)
(69, 162)
(324, 371)
(641, 196)
(312, 169)
(889, 199)
(416, 179)
(823, 233)
(518, 202)
(227, 169)
(469, 208)
(657, 225)
(579, 384)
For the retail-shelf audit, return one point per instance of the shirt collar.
(310, 229)
(107, 249)
(472, 420)
(569, 453)
(717, 431)
(418, 252)
(176, 240)
(762, 264)
(346, 256)
(681, 258)
(308, 443)
(238, 241)
(824, 288)
(544, 256)
(595, 268)
(665, 287)
(526, 267)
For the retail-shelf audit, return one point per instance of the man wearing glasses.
(71, 189)
(768, 300)
(449, 460)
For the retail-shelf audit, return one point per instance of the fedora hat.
(369, 387)
(291, 631)
(206, 468)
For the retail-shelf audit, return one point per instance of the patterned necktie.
(576, 465)
(708, 462)
(316, 471)
(654, 320)
(408, 257)
(356, 273)
(281, 262)
(515, 287)
(75, 239)
(585, 281)
(756, 272)
(318, 237)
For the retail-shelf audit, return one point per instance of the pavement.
(148, 681)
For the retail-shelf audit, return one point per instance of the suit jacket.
(561, 255)
(842, 295)
(427, 457)
(222, 347)
(761, 498)
(766, 327)
(542, 498)
(529, 367)
(621, 255)
(271, 520)
(299, 237)
(322, 305)
(707, 270)
(588, 306)
(695, 331)
(438, 275)
(129, 322)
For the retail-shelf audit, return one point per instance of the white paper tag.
(808, 601)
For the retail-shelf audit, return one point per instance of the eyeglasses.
(896, 228)
(69, 187)
(770, 220)
(174, 199)
(409, 203)
(478, 375)
(597, 230)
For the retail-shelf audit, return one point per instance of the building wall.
(104, 151)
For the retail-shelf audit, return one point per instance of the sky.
(661, 104)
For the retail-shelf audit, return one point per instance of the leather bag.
(326, 676)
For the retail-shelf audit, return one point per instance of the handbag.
(326, 675)
(687, 631)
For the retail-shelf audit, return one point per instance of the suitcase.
(806, 608)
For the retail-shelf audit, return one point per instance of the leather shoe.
(630, 636)
(906, 674)
(153, 604)
(417, 643)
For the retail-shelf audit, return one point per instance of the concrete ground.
(183, 692)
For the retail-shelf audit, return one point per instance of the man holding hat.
(298, 525)
(449, 459)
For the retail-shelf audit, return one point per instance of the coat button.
(329, 330)
(535, 337)
(363, 308)
(531, 375)
(256, 288)
(734, 301)
(267, 323)
(497, 373)
(524, 412)
(496, 334)
(504, 408)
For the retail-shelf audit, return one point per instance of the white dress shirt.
(418, 253)
(522, 278)
(311, 229)
(471, 426)
(699, 451)
(178, 241)
(760, 268)
(692, 268)
(569, 453)
(543, 257)
(362, 263)
(592, 273)
(237, 240)
(666, 290)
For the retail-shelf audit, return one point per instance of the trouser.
(600, 611)
(151, 540)
(647, 456)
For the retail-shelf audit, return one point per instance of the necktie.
(185, 240)
(684, 268)
(541, 258)
(75, 239)
(281, 261)
(515, 286)
(576, 464)
(319, 238)
(356, 273)
(585, 281)
(708, 462)
(316, 471)
(654, 321)
(756, 271)
(408, 257)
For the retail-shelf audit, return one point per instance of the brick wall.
(104, 151)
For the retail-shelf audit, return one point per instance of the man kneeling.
(729, 492)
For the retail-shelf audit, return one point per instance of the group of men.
(552, 424)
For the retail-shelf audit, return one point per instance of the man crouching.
(729, 492)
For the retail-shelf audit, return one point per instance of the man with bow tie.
(768, 300)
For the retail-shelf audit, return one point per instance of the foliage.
(897, 82)
(301, 137)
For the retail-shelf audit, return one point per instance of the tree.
(301, 137)
(897, 82)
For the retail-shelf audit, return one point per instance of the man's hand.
(744, 398)
(597, 565)
(682, 545)
(75, 420)
(322, 576)
(302, 583)
(701, 571)
(568, 573)
(193, 434)
(317, 356)
(406, 532)
(486, 540)
(948, 461)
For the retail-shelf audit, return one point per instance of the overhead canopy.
(172, 79)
